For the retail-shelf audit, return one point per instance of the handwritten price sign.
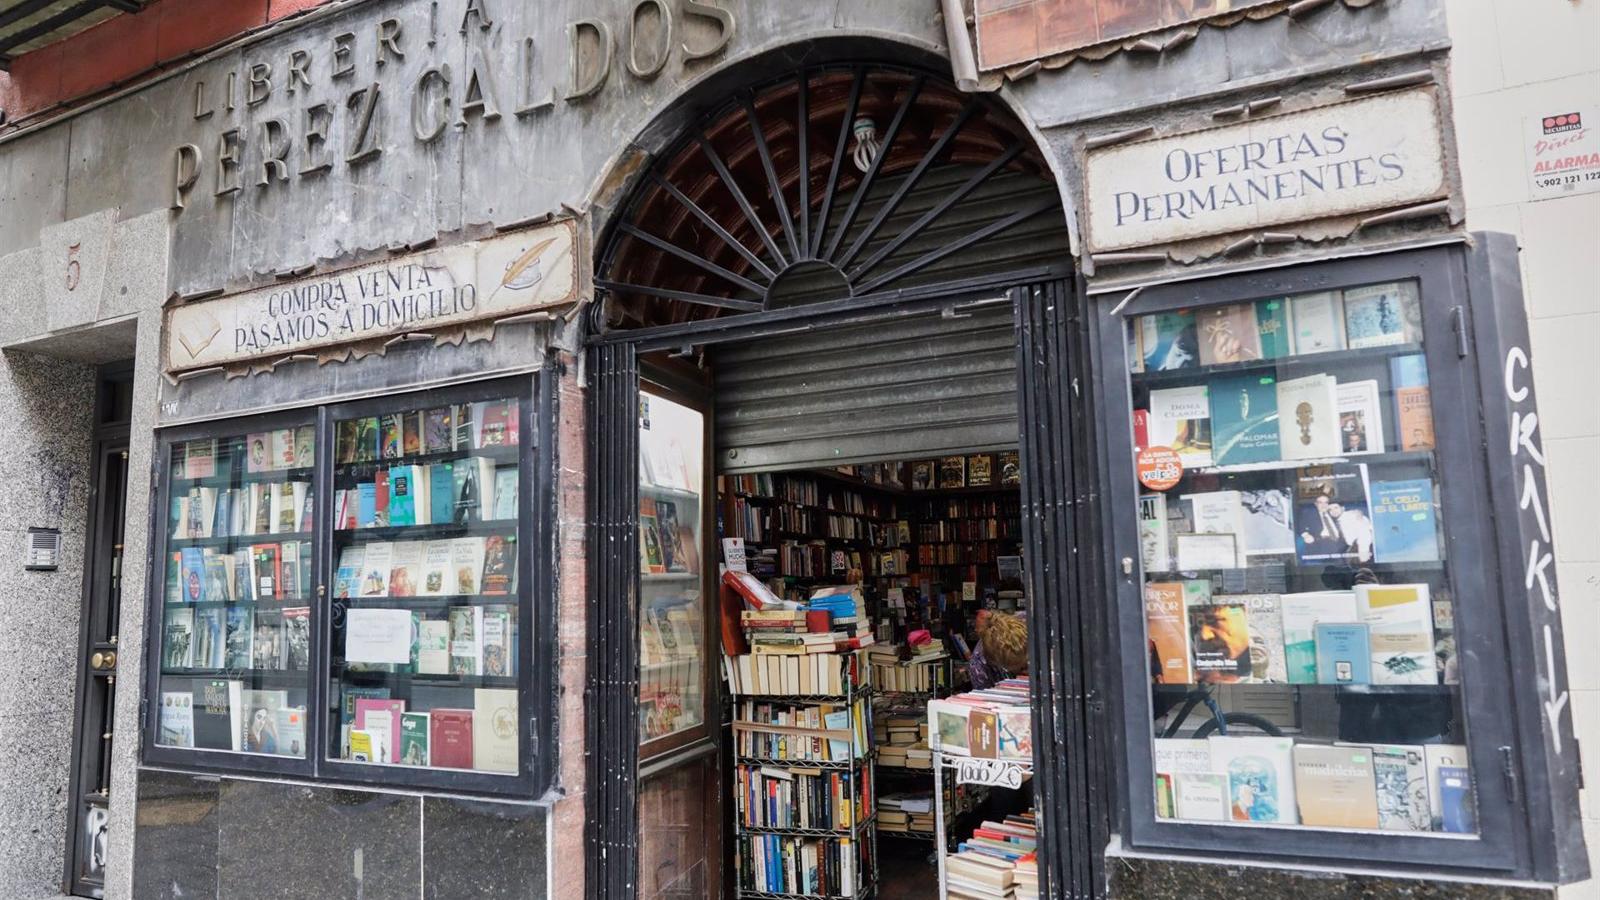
(992, 772)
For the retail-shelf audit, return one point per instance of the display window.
(1302, 552)
(672, 610)
(356, 581)
(234, 646)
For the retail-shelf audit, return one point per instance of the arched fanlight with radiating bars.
(831, 182)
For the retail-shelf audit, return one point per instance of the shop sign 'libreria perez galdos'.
(292, 116)
(1351, 157)
(495, 278)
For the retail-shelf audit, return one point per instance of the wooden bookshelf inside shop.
(851, 601)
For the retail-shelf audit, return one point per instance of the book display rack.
(672, 612)
(804, 785)
(1291, 549)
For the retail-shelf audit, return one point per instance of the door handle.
(103, 660)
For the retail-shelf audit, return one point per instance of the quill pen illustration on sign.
(527, 270)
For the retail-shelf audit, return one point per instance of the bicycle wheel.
(1245, 723)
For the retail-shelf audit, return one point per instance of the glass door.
(679, 783)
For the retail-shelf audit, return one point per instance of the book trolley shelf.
(782, 852)
(967, 770)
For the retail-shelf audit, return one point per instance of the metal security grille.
(611, 696)
(837, 181)
(945, 382)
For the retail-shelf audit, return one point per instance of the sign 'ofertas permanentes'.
(1362, 155)
(492, 279)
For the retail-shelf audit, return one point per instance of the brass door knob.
(105, 660)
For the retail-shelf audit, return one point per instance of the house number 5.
(74, 268)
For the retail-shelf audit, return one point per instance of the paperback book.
(1331, 520)
(1228, 334)
(1180, 418)
(1381, 315)
(1268, 530)
(1413, 405)
(1260, 772)
(1308, 417)
(1219, 640)
(1167, 624)
(1335, 786)
(1403, 524)
(1400, 622)
(1360, 419)
(1170, 341)
(1244, 418)
(1301, 614)
(1318, 322)
(1273, 328)
(1344, 653)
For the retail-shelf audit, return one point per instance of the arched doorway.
(849, 202)
(825, 183)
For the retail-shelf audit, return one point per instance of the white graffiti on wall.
(1524, 426)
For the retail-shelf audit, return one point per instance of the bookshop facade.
(745, 447)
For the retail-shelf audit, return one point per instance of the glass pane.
(1298, 611)
(424, 611)
(671, 599)
(236, 630)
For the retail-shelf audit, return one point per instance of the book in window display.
(1169, 341)
(1273, 328)
(1167, 624)
(1413, 404)
(1260, 773)
(414, 739)
(1318, 322)
(1399, 618)
(1404, 527)
(1335, 786)
(1219, 640)
(1244, 418)
(1401, 777)
(1180, 419)
(1227, 334)
(1308, 417)
(218, 714)
(1331, 520)
(297, 638)
(178, 639)
(176, 726)
(1360, 419)
(1382, 315)
(1344, 653)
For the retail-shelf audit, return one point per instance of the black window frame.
(1501, 846)
(536, 595)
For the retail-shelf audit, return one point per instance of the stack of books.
(903, 741)
(992, 724)
(906, 812)
(997, 861)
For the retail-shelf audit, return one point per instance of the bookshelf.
(804, 786)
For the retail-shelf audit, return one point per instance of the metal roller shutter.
(914, 387)
(943, 383)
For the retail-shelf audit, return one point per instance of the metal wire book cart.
(915, 703)
(861, 831)
(969, 770)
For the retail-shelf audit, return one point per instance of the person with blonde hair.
(1002, 650)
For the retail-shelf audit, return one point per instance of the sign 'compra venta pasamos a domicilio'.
(1375, 153)
(509, 275)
